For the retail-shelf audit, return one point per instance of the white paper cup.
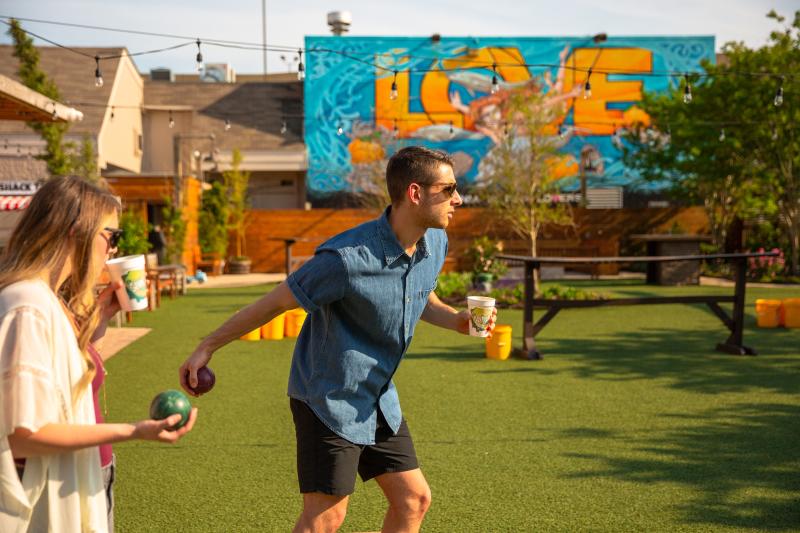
(480, 311)
(131, 271)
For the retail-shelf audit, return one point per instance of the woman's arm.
(59, 438)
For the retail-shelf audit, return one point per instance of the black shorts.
(328, 463)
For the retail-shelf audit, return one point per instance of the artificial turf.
(632, 422)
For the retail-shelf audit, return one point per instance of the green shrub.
(134, 237)
(453, 285)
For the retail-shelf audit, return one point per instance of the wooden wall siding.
(149, 189)
(191, 206)
(601, 231)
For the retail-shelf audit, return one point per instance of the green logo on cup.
(135, 285)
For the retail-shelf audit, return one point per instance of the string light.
(171, 120)
(587, 87)
(722, 135)
(393, 92)
(774, 132)
(55, 111)
(395, 130)
(561, 131)
(112, 112)
(199, 57)
(452, 132)
(98, 77)
(687, 90)
(339, 129)
(505, 128)
(301, 69)
(778, 101)
(227, 125)
(495, 84)
(284, 129)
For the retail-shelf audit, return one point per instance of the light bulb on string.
(55, 112)
(452, 131)
(339, 129)
(98, 77)
(505, 128)
(561, 131)
(778, 100)
(722, 135)
(495, 83)
(301, 69)
(687, 90)
(199, 58)
(284, 129)
(587, 87)
(774, 132)
(171, 120)
(112, 112)
(395, 130)
(227, 125)
(393, 92)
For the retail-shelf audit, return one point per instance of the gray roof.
(73, 74)
(255, 110)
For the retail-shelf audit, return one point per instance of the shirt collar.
(392, 250)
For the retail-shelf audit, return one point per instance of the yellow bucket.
(498, 346)
(791, 312)
(273, 330)
(254, 335)
(768, 313)
(294, 322)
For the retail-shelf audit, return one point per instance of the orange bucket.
(273, 330)
(791, 312)
(254, 335)
(294, 321)
(768, 313)
(498, 346)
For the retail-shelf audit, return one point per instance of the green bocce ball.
(168, 403)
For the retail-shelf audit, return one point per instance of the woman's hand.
(158, 430)
(107, 301)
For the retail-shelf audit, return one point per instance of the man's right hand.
(188, 370)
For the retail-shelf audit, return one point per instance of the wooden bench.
(211, 263)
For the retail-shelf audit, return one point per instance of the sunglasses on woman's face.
(115, 234)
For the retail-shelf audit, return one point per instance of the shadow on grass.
(741, 463)
(687, 358)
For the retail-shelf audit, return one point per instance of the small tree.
(134, 237)
(56, 154)
(519, 172)
(235, 182)
(84, 162)
(174, 227)
(213, 220)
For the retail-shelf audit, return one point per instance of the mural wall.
(444, 99)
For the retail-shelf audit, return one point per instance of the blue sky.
(289, 21)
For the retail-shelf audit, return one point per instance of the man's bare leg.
(322, 513)
(409, 498)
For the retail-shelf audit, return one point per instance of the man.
(365, 290)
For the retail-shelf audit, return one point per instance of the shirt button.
(408, 300)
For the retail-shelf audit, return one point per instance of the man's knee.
(322, 516)
(415, 503)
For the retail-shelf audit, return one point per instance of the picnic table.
(732, 345)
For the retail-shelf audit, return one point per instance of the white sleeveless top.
(40, 363)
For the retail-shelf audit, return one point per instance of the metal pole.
(264, 34)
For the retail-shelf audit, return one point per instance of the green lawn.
(632, 422)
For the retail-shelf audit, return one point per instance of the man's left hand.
(463, 322)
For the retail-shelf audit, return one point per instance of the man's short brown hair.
(413, 164)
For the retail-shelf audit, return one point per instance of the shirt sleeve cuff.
(299, 295)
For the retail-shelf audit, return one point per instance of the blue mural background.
(339, 95)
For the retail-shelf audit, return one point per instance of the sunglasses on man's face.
(449, 190)
(115, 234)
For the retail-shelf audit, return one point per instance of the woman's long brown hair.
(60, 225)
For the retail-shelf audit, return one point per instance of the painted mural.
(444, 99)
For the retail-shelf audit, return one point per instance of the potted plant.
(485, 267)
(235, 182)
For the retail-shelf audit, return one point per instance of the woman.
(48, 317)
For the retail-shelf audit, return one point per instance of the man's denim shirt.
(364, 296)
